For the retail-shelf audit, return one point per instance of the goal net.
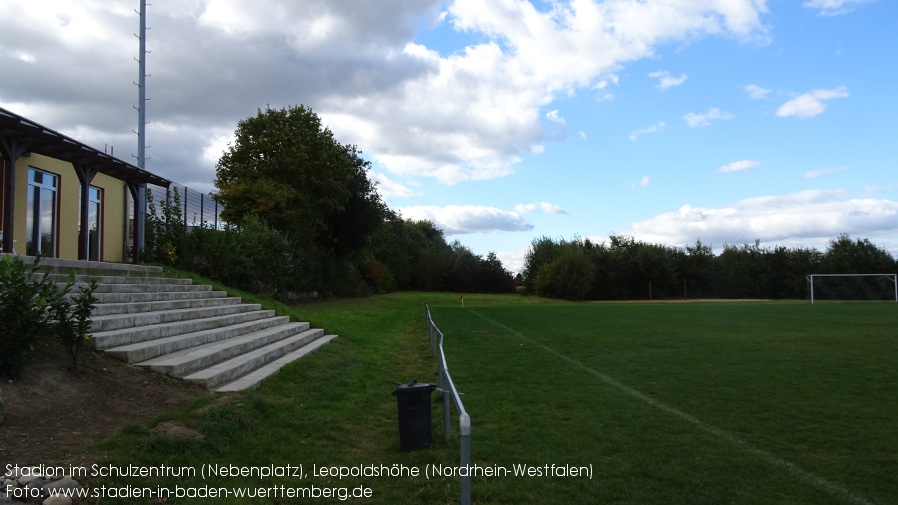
(853, 287)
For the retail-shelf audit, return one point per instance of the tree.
(568, 276)
(857, 257)
(286, 168)
(543, 250)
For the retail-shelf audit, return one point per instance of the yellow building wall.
(114, 207)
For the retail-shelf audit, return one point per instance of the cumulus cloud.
(823, 171)
(738, 166)
(666, 81)
(513, 261)
(548, 208)
(811, 103)
(387, 187)
(756, 92)
(806, 218)
(469, 115)
(695, 120)
(655, 128)
(464, 219)
(833, 7)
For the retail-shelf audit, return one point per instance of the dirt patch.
(53, 414)
(175, 429)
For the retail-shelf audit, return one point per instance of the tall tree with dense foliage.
(287, 168)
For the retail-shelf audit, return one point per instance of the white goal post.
(891, 277)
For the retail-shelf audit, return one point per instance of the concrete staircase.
(175, 327)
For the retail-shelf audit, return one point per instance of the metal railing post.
(447, 422)
(464, 428)
(450, 394)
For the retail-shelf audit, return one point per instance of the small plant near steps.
(189, 331)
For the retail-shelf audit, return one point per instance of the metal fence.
(451, 396)
(197, 209)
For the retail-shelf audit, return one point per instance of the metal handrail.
(450, 393)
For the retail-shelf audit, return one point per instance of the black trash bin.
(413, 401)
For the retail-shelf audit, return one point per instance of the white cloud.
(475, 111)
(387, 187)
(816, 173)
(554, 117)
(756, 92)
(809, 218)
(665, 81)
(464, 219)
(548, 208)
(465, 116)
(216, 146)
(644, 182)
(655, 128)
(738, 166)
(833, 7)
(513, 261)
(582, 135)
(811, 103)
(695, 120)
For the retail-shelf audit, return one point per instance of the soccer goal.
(853, 287)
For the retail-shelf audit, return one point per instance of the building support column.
(11, 150)
(85, 177)
(139, 216)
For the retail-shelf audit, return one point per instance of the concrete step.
(122, 321)
(252, 379)
(85, 278)
(188, 361)
(157, 296)
(106, 309)
(55, 265)
(227, 371)
(146, 288)
(176, 327)
(116, 338)
(143, 351)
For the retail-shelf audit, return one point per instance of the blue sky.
(671, 121)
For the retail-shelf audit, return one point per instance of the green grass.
(667, 403)
(683, 403)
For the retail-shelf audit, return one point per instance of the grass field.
(682, 403)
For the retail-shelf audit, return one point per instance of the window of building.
(2, 196)
(41, 216)
(94, 222)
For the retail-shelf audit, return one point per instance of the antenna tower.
(142, 88)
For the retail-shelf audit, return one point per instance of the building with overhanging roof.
(63, 199)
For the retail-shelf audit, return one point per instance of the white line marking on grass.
(790, 468)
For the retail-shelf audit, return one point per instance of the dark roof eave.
(50, 143)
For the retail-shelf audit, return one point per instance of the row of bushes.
(400, 255)
(33, 306)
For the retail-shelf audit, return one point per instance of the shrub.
(24, 296)
(569, 276)
(31, 306)
(70, 318)
(252, 256)
(267, 261)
